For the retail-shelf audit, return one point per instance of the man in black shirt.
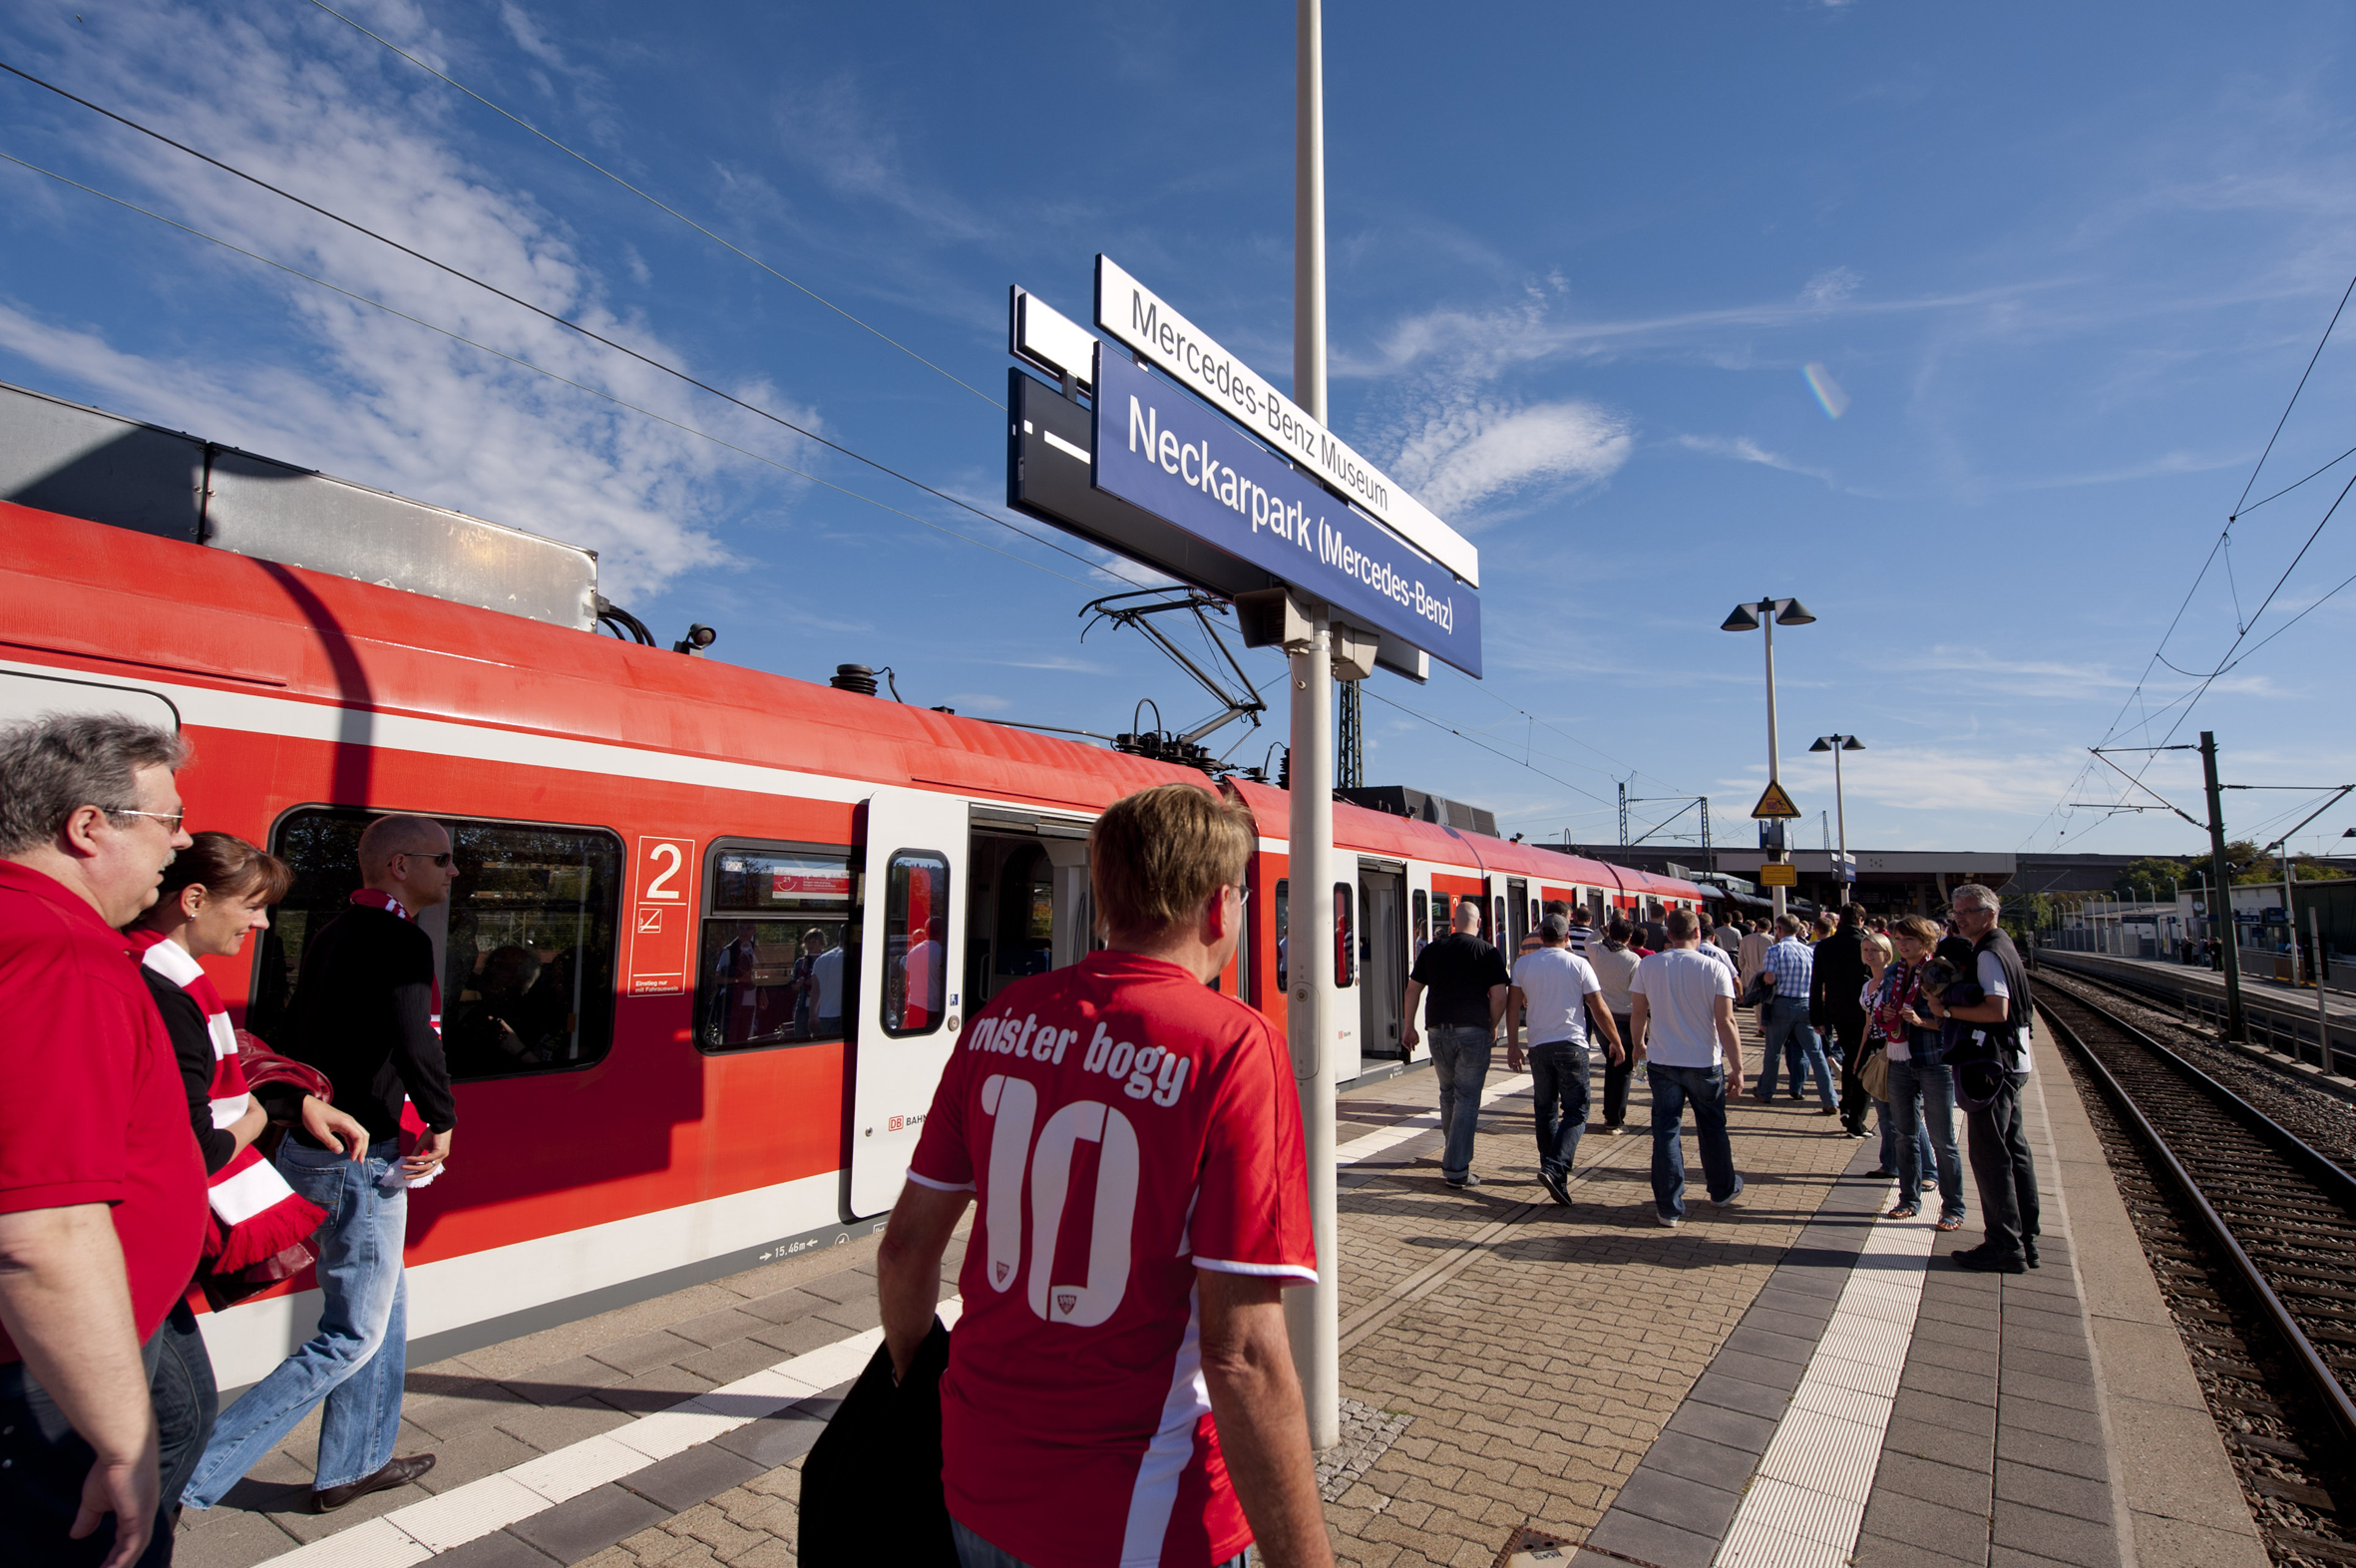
(366, 1012)
(1836, 1008)
(1468, 982)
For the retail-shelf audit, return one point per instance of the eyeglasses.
(170, 819)
(443, 859)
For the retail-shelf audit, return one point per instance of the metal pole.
(2221, 887)
(1841, 807)
(1767, 623)
(2290, 925)
(1313, 1316)
(2322, 968)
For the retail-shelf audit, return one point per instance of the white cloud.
(1741, 449)
(348, 389)
(977, 703)
(1831, 287)
(1481, 450)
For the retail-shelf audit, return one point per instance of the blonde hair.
(1155, 856)
(1876, 939)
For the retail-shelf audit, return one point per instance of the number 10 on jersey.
(1012, 1104)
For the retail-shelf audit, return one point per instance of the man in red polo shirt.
(101, 1187)
(1120, 1388)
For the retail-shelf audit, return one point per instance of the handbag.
(1758, 993)
(1873, 1075)
(871, 1488)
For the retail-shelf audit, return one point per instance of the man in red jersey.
(102, 1188)
(1120, 1388)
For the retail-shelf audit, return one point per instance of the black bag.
(1758, 993)
(871, 1488)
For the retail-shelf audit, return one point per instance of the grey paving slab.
(1883, 1551)
(1738, 1394)
(1747, 1340)
(716, 1327)
(561, 1382)
(1936, 1409)
(1686, 1504)
(857, 1314)
(1773, 1317)
(1943, 1444)
(1724, 1428)
(1962, 1487)
(795, 1336)
(643, 1352)
(1766, 1372)
(498, 1549)
(2080, 1453)
(783, 1305)
(551, 1427)
(1972, 1386)
(681, 1481)
(1720, 1465)
(2054, 1492)
(776, 1440)
(1633, 1535)
(729, 1362)
(1925, 1525)
(2081, 1542)
(590, 1523)
(659, 1390)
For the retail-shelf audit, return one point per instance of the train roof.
(90, 590)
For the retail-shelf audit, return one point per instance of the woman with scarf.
(1921, 1107)
(213, 893)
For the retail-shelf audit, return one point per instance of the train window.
(526, 940)
(916, 929)
(1497, 921)
(1345, 934)
(780, 947)
(1422, 907)
(1284, 971)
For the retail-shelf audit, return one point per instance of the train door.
(1383, 950)
(1518, 920)
(910, 853)
(1349, 1037)
(1027, 904)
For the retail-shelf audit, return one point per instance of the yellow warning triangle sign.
(1775, 802)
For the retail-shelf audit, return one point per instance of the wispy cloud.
(1741, 449)
(1831, 287)
(1481, 450)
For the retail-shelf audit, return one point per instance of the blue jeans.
(1559, 1069)
(1705, 1089)
(975, 1552)
(1922, 1116)
(357, 1359)
(1788, 1028)
(1460, 1060)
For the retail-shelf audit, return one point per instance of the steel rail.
(2337, 1183)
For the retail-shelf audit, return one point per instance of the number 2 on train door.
(1012, 1104)
(663, 916)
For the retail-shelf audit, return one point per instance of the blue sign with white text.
(1159, 449)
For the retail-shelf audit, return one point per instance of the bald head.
(399, 834)
(1466, 919)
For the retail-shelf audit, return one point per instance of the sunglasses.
(443, 859)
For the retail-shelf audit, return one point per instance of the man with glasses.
(1997, 1027)
(367, 1011)
(102, 1189)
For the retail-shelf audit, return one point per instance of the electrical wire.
(1486, 746)
(550, 316)
(538, 369)
(654, 202)
(1633, 772)
(2294, 399)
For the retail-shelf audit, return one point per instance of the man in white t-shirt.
(1558, 993)
(1614, 963)
(826, 976)
(1684, 1022)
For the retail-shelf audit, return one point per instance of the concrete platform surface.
(1787, 1380)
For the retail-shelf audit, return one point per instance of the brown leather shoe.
(397, 1472)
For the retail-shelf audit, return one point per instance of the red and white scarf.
(254, 1214)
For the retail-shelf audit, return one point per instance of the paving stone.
(850, 1286)
(727, 1362)
(2054, 1491)
(643, 1352)
(1733, 1429)
(772, 1441)
(2078, 1453)
(1684, 1501)
(498, 1549)
(478, 1453)
(1923, 1377)
(698, 1475)
(858, 1314)
(563, 1382)
(799, 1336)
(659, 1390)
(1633, 1535)
(1750, 1341)
(1764, 1370)
(1965, 1489)
(589, 1523)
(2083, 1542)
(560, 1427)
(1941, 1444)
(1699, 1459)
(1924, 1524)
(1883, 1551)
(461, 1410)
(716, 1327)
(783, 1305)
(1914, 1405)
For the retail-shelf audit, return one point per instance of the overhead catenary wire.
(550, 316)
(537, 369)
(656, 201)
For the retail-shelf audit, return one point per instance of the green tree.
(2150, 877)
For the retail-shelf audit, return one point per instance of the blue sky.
(2057, 269)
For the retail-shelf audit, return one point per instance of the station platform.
(2280, 996)
(1787, 1381)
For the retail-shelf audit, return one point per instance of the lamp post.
(1836, 744)
(1763, 616)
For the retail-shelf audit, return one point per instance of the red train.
(714, 929)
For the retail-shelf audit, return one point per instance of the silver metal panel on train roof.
(84, 463)
(280, 513)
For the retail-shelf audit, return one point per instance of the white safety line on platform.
(465, 1513)
(1804, 1507)
(1367, 1145)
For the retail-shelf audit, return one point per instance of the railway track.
(2252, 1236)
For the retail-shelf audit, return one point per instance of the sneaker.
(1731, 1198)
(1614, 1129)
(1554, 1185)
(2028, 1248)
(1879, 1174)
(1468, 1179)
(1667, 1220)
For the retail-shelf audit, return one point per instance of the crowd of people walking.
(1918, 1018)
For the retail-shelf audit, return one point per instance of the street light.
(1836, 744)
(1763, 616)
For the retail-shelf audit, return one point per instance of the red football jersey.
(1123, 1125)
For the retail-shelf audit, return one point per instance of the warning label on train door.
(663, 916)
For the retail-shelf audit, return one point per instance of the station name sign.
(1158, 449)
(1133, 314)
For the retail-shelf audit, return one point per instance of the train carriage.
(714, 929)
